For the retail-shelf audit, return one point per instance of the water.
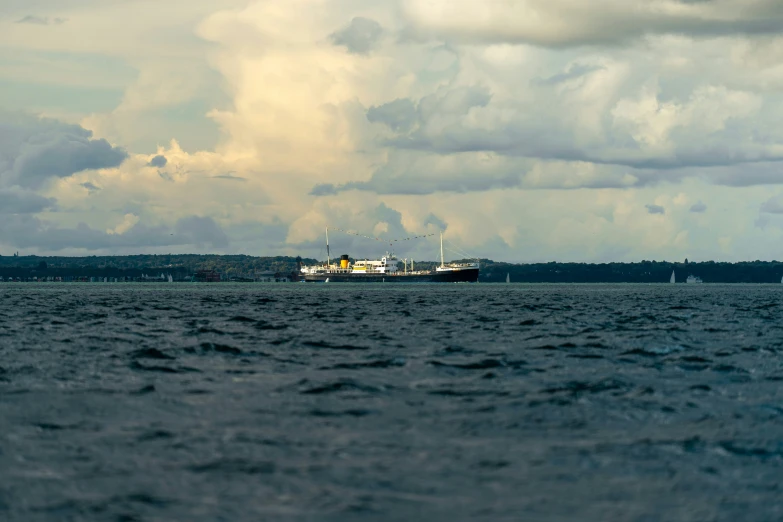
(400, 402)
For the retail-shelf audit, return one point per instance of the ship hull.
(469, 275)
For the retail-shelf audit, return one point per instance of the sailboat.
(781, 280)
(671, 279)
(508, 278)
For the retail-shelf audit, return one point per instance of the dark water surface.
(439, 403)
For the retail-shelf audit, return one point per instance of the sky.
(524, 130)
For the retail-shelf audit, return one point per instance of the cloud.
(573, 23)
(90, 186)
(772, 206)
(761, 173)
(454, 120)
(709, 129)
(398, 115)
(33, 151)
(419, 173)
(41, 20)
(128, 222)
(655, 209)
(158, 161)
(360, 36)
(229, 177)
(201, 231)
(573, 72)
(698, 207)
(326, 189)
(25, 231)
(432, 219)
(18, 201)
(412, 186)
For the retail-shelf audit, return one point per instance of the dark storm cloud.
(25, 231)
(360, 37)
(33, 151)
(158, 161)
(699, 207)
(18, 201)
(398, 115)
(655, 209)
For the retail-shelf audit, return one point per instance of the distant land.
(242, 267)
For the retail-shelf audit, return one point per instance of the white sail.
(671, 279)
(508, 278)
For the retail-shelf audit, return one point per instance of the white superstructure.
(387, 265)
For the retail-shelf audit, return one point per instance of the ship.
(693, 279)
(386, 270)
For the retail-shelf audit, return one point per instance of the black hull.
(469, 275)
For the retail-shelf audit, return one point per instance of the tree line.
(491, 271)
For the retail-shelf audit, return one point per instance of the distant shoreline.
(243, 268)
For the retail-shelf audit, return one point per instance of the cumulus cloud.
(360, 36)
(17, 201)
(441, 117)
(698, 207)
(567, 23)
(432, 219)
(655, 209)
(643, 131)
(128, 222)
(34, 151)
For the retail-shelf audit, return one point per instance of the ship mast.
(441, 250)
(328, 261)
